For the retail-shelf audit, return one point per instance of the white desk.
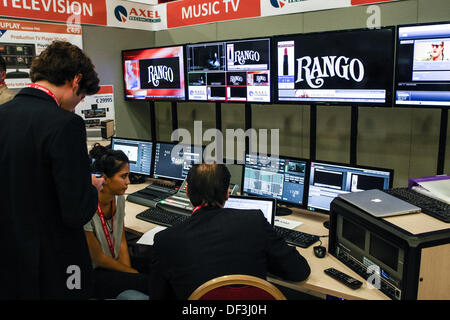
(318, 283)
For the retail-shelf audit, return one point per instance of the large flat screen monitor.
(423, 65)
(154, 74)
(350, 67)
(281, 178)
(327, 180)
(173, 164)
(139, 153)
(235, 71)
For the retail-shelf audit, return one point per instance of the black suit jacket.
(217, 242)
(46, 196)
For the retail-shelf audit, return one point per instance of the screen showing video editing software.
(280, 178)
(423, 65)
(229, 71)
(327, 181)
(139, 153)
(154, 74)
(175, 166)
(336, 67)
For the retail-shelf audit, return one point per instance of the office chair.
(251, 288)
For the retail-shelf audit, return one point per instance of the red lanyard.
(105, 229)
(39, 87)
(196, 208)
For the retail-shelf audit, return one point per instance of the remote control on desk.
(344, 278)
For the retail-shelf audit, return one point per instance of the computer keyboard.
(297, 238)
(435, 208)
(167, 218)
(162, 217)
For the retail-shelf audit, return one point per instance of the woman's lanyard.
(105, 229)
(196, 208)
(42, 88)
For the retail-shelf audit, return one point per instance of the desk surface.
(318, 283)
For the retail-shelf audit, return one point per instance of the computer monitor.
(173, 164)
(139, 153)
(266, 205)
(235, 71)
(154, 74)
(423, 65)
(347, 67)
(327, 180)
(18, 57)
(281, 178)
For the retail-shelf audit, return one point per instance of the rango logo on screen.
(161, 73)
(314, 70)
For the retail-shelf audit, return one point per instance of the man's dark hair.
(61, 61)
(2, 64)
(208, 184)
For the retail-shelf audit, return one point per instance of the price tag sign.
(98, 107)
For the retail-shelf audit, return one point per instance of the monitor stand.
(283, 211)
(326, 224)
(17, 74)
(136, 178)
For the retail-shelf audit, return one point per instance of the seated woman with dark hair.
(105, 235)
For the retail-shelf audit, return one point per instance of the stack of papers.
(147, 238)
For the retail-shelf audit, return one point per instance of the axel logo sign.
(121, 13)
(278, 3)
(136, 14)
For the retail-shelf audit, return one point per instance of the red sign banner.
(192, 12)
(82, 11)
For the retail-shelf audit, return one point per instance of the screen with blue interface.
(423, 65)
(173, 164)
(280, 178)
(327, 181)
(139, 153)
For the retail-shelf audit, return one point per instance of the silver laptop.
(379, 204)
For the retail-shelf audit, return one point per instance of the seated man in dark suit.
(217, 241)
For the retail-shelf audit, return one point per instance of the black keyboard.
(162, 217)
(166, 218)
(297, 238)
(435, 208)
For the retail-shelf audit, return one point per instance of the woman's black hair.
(107, 160)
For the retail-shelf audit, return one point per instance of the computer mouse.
(320, 251)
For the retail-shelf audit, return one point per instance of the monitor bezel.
(389, 98)
(140, 140)
(273, 200)
(271, 76)
(155, 99)
(397, 43)
(357, 166)
(279, 201)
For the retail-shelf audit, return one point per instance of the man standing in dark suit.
(216, 241)
(47, 193)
